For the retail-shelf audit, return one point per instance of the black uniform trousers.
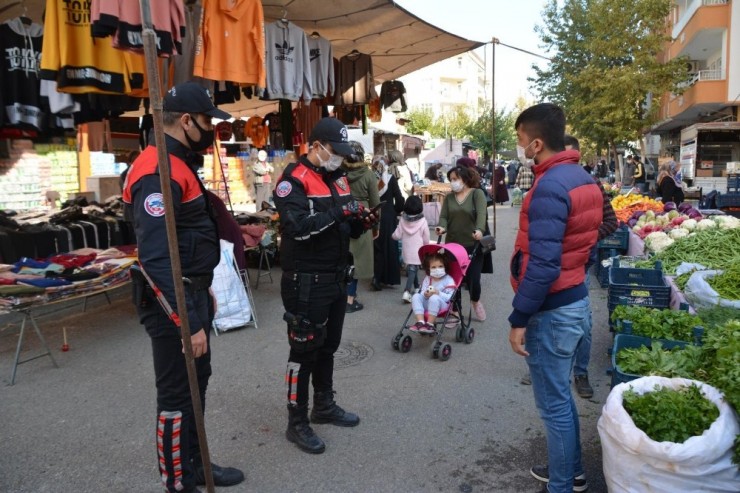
(177, 436)
(327, 304)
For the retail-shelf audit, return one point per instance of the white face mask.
(521, 153)
(331, 164)
(437, 272)
(457, 185)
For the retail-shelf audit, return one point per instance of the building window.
(459, 62)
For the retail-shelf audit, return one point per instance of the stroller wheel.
(469, 335)
(435, 349)
(406, 344)
(396, 341)
(445, 352)
(460, 334)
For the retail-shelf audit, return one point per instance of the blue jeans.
(412, 282)
(583, 353)
(352, 288)
(551, 340)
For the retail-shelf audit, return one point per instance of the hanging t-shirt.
(230, 44)
(355, 79)
(392, 96)
(288, 62)
(20, 86)
(322, 70)
(78, 64)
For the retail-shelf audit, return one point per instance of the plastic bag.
(233, 309)
(517, 196)
(634, 463)
(700, 293)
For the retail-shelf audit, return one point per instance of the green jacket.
(364, 187)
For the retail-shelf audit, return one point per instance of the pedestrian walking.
(413, 232)
(551, 306)
(187, 113)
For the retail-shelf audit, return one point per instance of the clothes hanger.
(354, 54)
(284, 17)
(24, 18)
(315, 35)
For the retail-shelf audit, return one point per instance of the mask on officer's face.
(206, 137)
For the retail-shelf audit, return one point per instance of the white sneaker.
(406, 297)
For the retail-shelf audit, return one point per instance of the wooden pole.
(494, 41)
(150, 54)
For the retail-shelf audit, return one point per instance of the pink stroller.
(453, 316)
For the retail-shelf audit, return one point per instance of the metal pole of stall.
(150, 54)
(494, 42)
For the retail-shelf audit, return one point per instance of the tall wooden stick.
(150, 55)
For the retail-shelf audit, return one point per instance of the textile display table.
(112, 273)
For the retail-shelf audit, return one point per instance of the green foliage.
(480, 131)
(668, 415)
(420, 120)
(454, 123)
(677, 325)
(717, 315)
(676, 362)
(605, 65)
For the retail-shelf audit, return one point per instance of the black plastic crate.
(629, 341)
(620, 240)
(644, 287)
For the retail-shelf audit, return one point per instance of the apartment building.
(701, 127)
(460, 81)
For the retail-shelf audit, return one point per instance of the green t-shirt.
(458, 220)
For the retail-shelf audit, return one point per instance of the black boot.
(325, 410)
(222, 476)
(300, 432)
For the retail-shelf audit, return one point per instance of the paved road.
(465, 425)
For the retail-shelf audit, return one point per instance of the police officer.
(187, 124)
(317, 218)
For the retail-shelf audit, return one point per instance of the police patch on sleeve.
(154, 205)
(283, 189)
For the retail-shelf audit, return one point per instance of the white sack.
(634, 463)
(700, 293)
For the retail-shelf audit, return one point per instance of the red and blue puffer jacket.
(558, 227)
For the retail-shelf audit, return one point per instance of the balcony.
(707, 90)
(685, 20)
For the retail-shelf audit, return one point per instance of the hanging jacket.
(20, 86)
(288, 62)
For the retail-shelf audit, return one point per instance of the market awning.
(398, 41)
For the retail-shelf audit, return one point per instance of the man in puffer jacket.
(558, 227)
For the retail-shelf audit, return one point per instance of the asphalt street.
(464, 425)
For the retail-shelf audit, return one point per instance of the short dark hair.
(171, 117)
(434, 256)
(571, 141)
(469, 176)
(358, 153)
(544, 121)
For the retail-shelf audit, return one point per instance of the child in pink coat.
(413, 232)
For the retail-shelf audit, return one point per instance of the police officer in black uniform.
(317, 217)
(187, 124)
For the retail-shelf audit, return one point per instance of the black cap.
(334, 132)
(190, 97)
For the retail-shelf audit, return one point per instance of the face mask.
(437, 272)
(521, 153)
(456, 185)
(331, 164)
(206, 138)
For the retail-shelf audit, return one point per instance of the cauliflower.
(677, 233)
(658, 241)
(689, 224)
(705, 224)
(727, 222)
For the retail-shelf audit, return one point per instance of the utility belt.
(316, 277)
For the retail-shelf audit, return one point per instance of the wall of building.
(733, 44)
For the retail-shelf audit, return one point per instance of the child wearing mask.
(435, 294)
(413, 233)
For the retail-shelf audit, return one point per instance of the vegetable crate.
(728, 200)
(645, 287)
(733, 183)
(602, 266)
(619, 240)
(628, 341)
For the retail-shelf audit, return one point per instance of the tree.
(420, 120)
(605, 65)
(479, 131)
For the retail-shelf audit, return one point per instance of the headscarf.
(381, 171)
(675, 171)
(466, 162)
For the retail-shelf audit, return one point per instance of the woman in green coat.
(363, 184)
